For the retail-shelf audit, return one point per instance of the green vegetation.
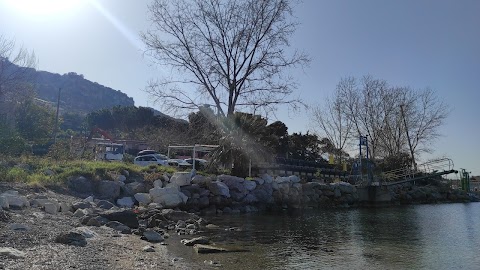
(48, 172)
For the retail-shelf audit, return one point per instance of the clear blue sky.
(416, 43)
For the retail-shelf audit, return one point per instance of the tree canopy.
(233, 53)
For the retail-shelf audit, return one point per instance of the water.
(444, 236)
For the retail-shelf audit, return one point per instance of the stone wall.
(230, 194)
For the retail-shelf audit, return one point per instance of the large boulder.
(152, 236)
(135, 187)
(233, 183)
(14, 199)
(181, 178)
(345, 188)
(219, 188)
(126, 202)
(107, 189)
(143, 198)
(125, 216)
(81, 185)
(168, 197)
(250, 185)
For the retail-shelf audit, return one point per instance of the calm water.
(445, 236)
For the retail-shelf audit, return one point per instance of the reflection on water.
(415, 237)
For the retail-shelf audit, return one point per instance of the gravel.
(107, 249)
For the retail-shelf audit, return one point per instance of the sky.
(415, 43)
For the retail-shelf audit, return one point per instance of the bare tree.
(232, 51)
(15, 64)
(331, 120)
(374, 107)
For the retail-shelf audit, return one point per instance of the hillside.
(78, 94)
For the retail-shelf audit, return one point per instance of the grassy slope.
(45, 172)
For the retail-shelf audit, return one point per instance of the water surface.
(443, 236)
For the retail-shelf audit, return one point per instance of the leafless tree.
(15, 64)
(232, 51)
(331, 120)
(374, 107)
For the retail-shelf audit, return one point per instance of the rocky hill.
(78, 95)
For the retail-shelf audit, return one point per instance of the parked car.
(199, 163)
(149, 159)
(147, 152)
(179, 163)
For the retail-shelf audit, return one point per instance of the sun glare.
(39, 8)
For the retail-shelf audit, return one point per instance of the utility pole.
(56, 117)
(408, 137)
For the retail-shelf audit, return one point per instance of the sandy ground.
(107, 250)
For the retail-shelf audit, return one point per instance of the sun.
(43, 8)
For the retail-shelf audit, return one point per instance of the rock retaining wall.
(230, 194)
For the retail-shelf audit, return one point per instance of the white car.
(179, 163)
(146, 160)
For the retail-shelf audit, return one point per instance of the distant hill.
(78, 95)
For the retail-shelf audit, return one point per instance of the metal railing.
(408, 173)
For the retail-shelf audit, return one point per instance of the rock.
(119, 227)
(143, 198)
(198, 240)
(208, 249)
(158, 184)
(89, 199)
(80, 213)
(64, 207)
(181, 178)
(294, 179)
(233, 183)
(345, 188)
(169, 196)
(250, 185)
(126, 202)
(212, 226)
(12, 253)
(135, 187)
(4, 216)
(105, 204)
(175, 216)
(282, 180)
(250, 198)
(18, 227)
(4, 203)
(107, 189)
(267, 178)
(81, 185)
(86, 232)
(96, 221)
(121, 178)
(71, 238)
(219, 188)
(81, 205)
(51, 208)
(148, 249)
(153, 236)
(212, 263)
(125, 216)
(259, 181)
(14, 200)
(199, 179)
